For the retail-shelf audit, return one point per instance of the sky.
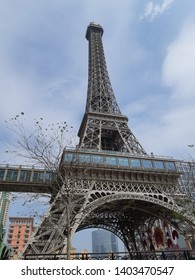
(150, 54)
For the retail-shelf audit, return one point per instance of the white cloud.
(175, 128)
(153, 10)
(168, 110)
(179, 64)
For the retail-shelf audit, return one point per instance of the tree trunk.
(68, 245)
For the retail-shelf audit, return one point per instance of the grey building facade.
(104, 241)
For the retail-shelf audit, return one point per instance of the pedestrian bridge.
(19, 178)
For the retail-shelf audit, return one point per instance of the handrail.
(94, 151)
(21, 166)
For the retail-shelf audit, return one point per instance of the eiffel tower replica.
(108, 181)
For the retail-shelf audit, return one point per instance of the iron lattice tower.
(108, 181)
(103, 126)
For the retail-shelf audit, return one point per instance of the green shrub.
(4, 254)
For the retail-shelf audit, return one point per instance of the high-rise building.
(19, 232)
(104, 241)
(4, 204)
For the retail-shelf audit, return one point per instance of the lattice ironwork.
(109, 181)
(103, 126)
(123, 207)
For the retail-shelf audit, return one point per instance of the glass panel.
(68, 157)
(41, 176)
(38, 176)
(147, 163)
(135, 163)
(35, 176)
(48, 176)
(123, 161)
(84, 158)
(111, 161)
(98, 159)
(25, 175)
(1, 174)
(170, 165)
(159, 164)
(12, 175)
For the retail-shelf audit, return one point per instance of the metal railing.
(135, 255)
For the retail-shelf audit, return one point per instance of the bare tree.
(43, 145)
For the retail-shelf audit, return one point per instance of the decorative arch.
(152, 206)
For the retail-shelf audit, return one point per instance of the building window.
(12, 175)
(111, 161)
(123, 162)
(25, 175)
(83, 158)
(48, 176)
(97, 159)
(70, 157)
(135, 163)
(147, 163)
(1, 174)
(170, 165)
(159, 164)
